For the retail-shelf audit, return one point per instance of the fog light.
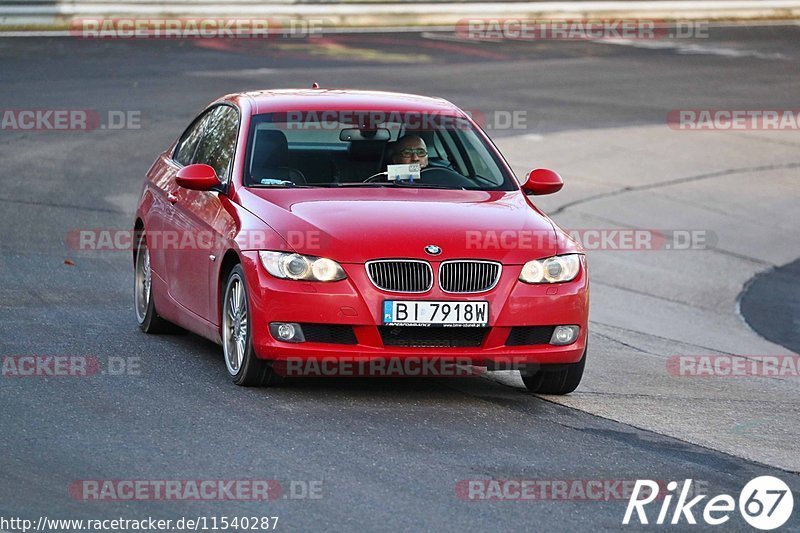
(564, 335)
(287, 331)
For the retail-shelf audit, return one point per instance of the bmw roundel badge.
(432, 249)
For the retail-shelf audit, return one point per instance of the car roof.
(282, 100)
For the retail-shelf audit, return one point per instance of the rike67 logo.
(765, 503)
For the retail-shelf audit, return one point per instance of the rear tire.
(243, 366)
(143, 301)
(562, 379)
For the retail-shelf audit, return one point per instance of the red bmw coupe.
(298, 225)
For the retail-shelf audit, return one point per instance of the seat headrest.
(270, 149)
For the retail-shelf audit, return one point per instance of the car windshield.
(354, 149)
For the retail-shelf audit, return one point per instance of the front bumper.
(357, 303)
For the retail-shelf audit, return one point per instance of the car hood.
(357, 225)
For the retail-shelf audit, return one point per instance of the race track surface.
(395, 454)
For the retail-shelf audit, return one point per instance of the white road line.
(691, 48)
(232, 73)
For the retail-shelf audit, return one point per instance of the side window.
(188, 143)
(478, 155)
(218, 144)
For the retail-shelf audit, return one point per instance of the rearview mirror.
(357, 134)
(198, 177)
(541, 181)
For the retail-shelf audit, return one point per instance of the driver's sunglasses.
(408, 152)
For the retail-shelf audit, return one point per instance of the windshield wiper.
(400, 185)
(355, 185)
(362, 184)
(267, 183)
(416, 185)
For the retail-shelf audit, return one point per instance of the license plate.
(426, 313)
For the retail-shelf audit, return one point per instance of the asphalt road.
(778, 321)
(390, 454)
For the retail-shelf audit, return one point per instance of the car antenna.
(315, 85)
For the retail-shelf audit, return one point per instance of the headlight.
(557, 269)
(301, 267)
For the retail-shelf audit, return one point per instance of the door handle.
(172, 198)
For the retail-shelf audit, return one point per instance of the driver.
(410, 149)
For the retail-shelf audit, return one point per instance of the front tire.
(143, 302)
(243, 366)
(558, 379)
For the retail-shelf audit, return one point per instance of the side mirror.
(197, 178)
(542, 181)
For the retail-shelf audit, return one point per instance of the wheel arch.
(138, 228)
(229, 261)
